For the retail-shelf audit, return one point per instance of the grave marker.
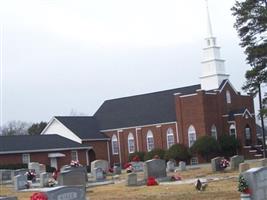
(235, 161)
(131, 179)
(155, 168)
(20, 182)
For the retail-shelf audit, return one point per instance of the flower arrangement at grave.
(55, 174)
(39, 196)
(110, 170)
(51, 182)
(242, 185)
(75, 163)
(31, 175)
(224, 163)
(136, 159)
(128, 167)
(176, 177)
(151, 181)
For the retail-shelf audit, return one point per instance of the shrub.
(229, 145)
(14, 166)
(155, 152)
(206, 146)
(177, 152)
(140, 154)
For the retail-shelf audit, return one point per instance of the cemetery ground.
(224, 186)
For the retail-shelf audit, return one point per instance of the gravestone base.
(65, 192)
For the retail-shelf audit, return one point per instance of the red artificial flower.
(151, 181)
(39, 196)
(247, 191)
(136, 158)
(127, 165)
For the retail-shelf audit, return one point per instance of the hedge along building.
(160, 119)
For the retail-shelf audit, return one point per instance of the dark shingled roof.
(232, 113)
(29, 143)
(157, 107)
(83, 126)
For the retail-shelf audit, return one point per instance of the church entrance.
(91, 157)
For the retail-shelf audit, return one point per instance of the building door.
(53, 162)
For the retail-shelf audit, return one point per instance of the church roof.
(84, 127)
(37, 143)
(145, 109)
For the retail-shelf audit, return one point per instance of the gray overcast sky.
(62, 55)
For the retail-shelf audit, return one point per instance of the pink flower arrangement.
(151, 181)
(224, 163)
(39, 196)
(75, 163)
(176, 178)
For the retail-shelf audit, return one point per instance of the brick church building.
(160, 119)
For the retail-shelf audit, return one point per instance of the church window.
(228, 97)
(74, 155)
(170, 137)
(150, 140)
(232, 130)
(25, 158)
(247, 136)
(131, 147)
(214, 132)
(191, 135)
(115, 145)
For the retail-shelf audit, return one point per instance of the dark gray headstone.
(215, 164)
(257, 182)
(70, 168)
(155, 168)
(72, 177)
(131, 179)
(6, 174)
(8, 198)
(99, 174)
(65, 193)
(235, 161)
(20, 182)
(117, 170)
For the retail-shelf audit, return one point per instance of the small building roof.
(145, 109)
(85, 127)
(37, 143)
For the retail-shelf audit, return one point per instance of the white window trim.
(131, 138)
(114, 139)
(170, 133)
(232, 125)
(149, 135)
(28, 158)
(214, 129)
(191, 130)
(196, 161)
(76, 155)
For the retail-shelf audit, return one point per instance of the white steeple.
(213, 71)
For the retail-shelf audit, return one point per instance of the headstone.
(117, 170)
(34, 166)
(263, 162)
(155, 168)
(72, 177)
(138, 166)
(20, 172)
(131, 179)
(215, 164)
(8, 198)
(65, 193)
(20, 182)
(182, 165)
(103, 164)
(257, 181)
(99, 174)
(243, 167)
(42, 168)
(44, 177)
(170, 166)
(235, 161)
(6, 174)
(80, 168)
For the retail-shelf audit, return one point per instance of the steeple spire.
(209, 28)
(213, 71)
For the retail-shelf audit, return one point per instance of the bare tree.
(15, 128)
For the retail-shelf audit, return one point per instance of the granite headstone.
(235, 161)
(65, 193)
(20, 182)
(131, 179)
(155, 168)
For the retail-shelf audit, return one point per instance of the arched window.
(150, 140)
(131, 147)
(115, 145)
(214, 132)
(228, 96)
(192, 137)
(170, 137)
(248, 137)
(232, 130)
